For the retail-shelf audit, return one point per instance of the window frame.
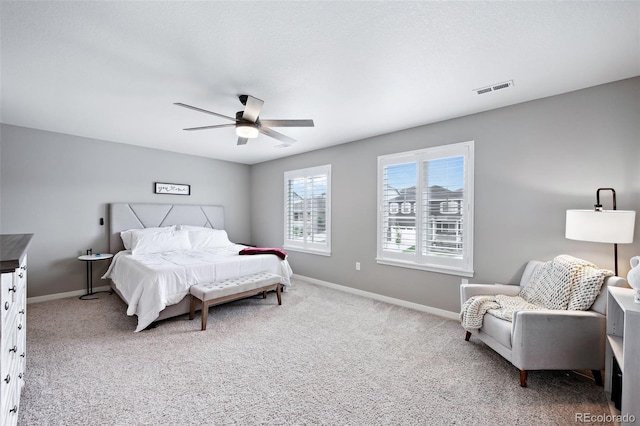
(305, 246)
(417, 259)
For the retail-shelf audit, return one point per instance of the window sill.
(424, 267)
(308, 251)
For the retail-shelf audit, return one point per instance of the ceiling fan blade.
(218, 126)
(252, 109)
(276, 135)
(287, 123)
(242, 141)
(203, 110)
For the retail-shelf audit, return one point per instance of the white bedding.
(151, 282)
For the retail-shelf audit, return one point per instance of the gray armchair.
(545, 339)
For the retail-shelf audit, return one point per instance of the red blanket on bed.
(264, 250)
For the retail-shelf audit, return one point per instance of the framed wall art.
(172, 188)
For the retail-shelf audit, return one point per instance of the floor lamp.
(602, 226)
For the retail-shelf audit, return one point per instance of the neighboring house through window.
(307, 194)
(425, 209)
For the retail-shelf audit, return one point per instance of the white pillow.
(149, 243)
(192, 228)
(208, 238)
(127, 236)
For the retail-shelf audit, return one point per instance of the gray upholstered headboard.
(125, 216)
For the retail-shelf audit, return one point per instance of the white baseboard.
(76, 293)
(391, 300)
(386, 299)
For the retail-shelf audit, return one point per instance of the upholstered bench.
(215, 293)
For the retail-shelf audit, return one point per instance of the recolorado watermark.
(604, 418)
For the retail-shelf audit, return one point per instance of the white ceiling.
(112, 70)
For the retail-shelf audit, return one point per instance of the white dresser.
(13, 324)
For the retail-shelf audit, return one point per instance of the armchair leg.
(523, 378)
(467, 336)
(597, 376)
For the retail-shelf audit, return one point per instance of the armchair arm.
(468, 290)
(558, 340)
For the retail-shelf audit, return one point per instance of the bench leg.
(278, 293)
(192, 309)
(264, 294)
(205, 315)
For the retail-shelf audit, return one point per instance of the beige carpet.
(323, 357)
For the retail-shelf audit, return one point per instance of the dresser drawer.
(12, 291)
(6, 297)
(20, 276)
(20, 306)
(10, 404)
(11, 382)
(9, 348)
(21, 343)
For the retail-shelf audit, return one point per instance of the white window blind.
(441, 209)
(307, 209)
(399, 192)
(425, 209)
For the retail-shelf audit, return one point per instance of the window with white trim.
(307, 208)
(436, 234)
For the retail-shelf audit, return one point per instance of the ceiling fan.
(248, 123)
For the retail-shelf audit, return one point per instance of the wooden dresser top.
(13, 247)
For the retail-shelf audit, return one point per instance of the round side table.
(89, 259)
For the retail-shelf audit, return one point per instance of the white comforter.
(151, 282)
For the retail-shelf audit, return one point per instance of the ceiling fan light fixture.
(247, 123)
(244, 130)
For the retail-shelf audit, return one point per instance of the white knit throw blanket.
(565, 283)
(499, 305)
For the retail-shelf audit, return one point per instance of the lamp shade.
(245, 130)
(608, 226)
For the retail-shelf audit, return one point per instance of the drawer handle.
(6, 306)
(20, 312)
(7, 379)
(20, 275)
(14, 410)
(22, 355)
(19, 326)
(20, 376)
(14, 349)
(13, 288)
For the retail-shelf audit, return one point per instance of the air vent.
(494, 87)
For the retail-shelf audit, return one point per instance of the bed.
(171, 247)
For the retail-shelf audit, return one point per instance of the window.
(436, 233)
(307, 207)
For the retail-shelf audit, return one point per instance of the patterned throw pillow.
(587, 287)
(549, 286)
(565, 282)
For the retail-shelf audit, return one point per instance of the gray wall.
(57, 186)
(533, 161)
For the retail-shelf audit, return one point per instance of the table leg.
(90, 291)
(89, 281)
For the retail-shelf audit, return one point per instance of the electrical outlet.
(357, 266)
